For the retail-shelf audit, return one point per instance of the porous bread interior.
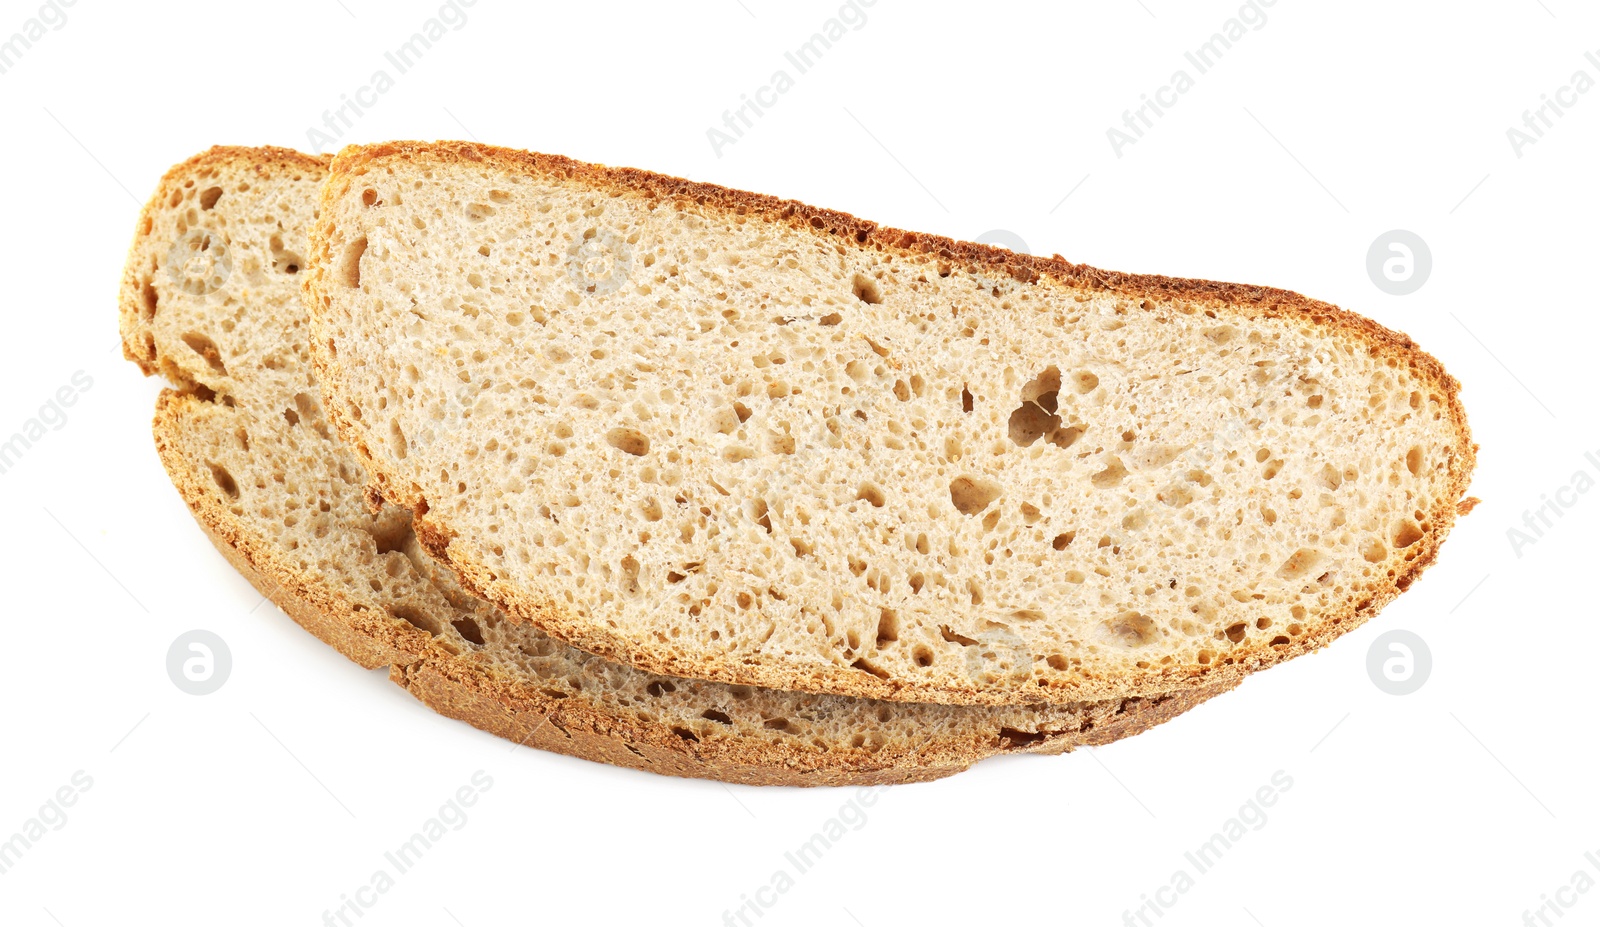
(685, 427)
(211, 299)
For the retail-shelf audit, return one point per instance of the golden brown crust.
(1238, 299)
(594, 736)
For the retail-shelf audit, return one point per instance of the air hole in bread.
(348, 269)
(760, 514)
(1155, 456)
(629, 580)
(1300, 563)
(1018, 739)
(781, 444)
(1042, 390)
(865, 667)
(888, 626)
(1414, 460)
(283, 260)
(468, 629)
(629, 441)
(389, 535)
(971, 495)
(416, 618)
(1029, 423)
(224, 480)
(1067, 436)
(955, 637)
(209, 197)
(1133, 629)
(1407, 534)
(1176, 496)
(1112, 474)
(207, 349)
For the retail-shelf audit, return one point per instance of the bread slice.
(709, 432)
(210, 300)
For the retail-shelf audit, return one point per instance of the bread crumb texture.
(710, 432)
(211, 300)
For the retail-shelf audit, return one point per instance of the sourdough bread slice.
(210, 299)
(715, 433)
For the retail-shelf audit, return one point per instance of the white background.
(268, 801)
